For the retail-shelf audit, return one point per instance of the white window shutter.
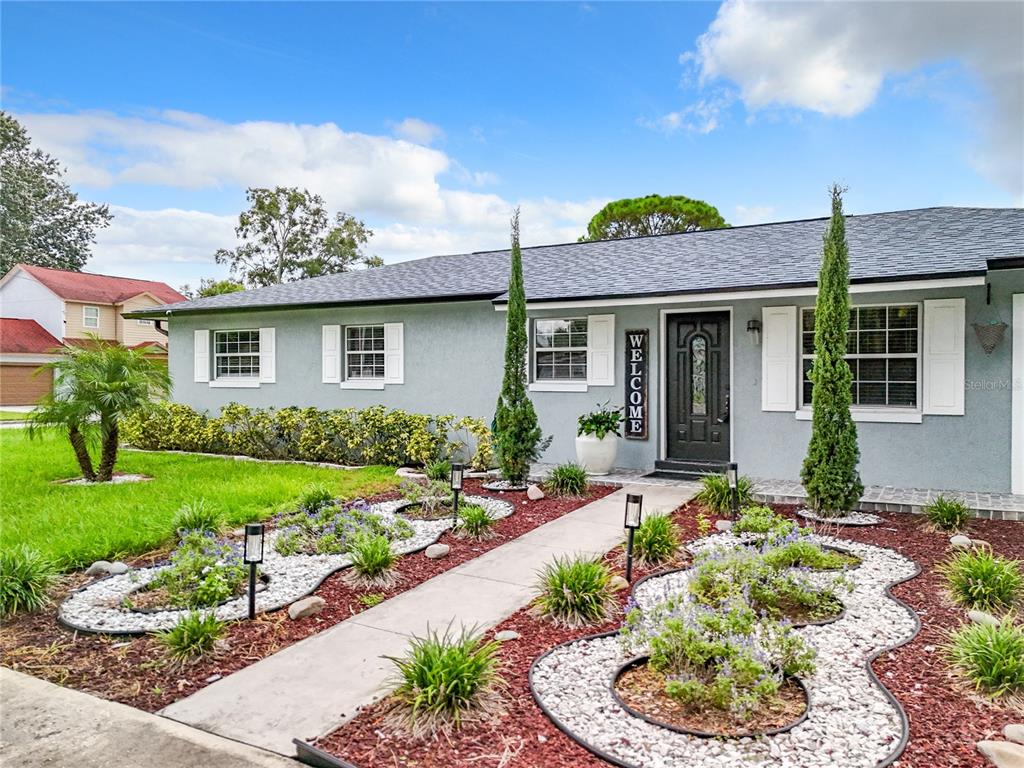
(201, 349)
(778, 358)
(331, 354)
(394, 364)
(943, 358)
(601, 350)
(268, 356)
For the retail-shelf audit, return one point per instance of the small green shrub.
(444, 680)
(716, 496)
(203, 572)
(433, 497)
(801, 553)
(198, 516)
(991, 656)
(604, 421)
(947, 514)
(656, 540)
(195, 634)
(373, 561)
(575, 592)
(703, 523)
(25, 577)
(762, 521)
(981, 579)
(439, 470)
(315, 498)
(475, 523)
(567, 480)
(371, 599)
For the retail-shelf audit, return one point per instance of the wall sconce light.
(252, 554)
(634, 504)
(754, 329)
(457, 472)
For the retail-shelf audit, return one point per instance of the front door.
(698, 386)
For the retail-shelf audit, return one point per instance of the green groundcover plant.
(990, 656)
(203, 572)
(574, 592)
(764, 522)
(979, 578)
(331, 529)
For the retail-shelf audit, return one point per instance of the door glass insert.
(699, 376)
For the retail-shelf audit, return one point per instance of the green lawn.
(78, 524)
(13, 416)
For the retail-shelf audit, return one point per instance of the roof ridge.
(95, 274)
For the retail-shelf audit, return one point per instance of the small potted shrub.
(597, 439)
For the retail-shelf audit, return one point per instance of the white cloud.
(417, 131)
(834, 58)
(701, 117)
(752, 214)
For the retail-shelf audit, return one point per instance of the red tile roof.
(102, 289)
(25, 336)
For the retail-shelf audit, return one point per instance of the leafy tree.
(42, 221)
(210, 287)
(518, 440)
(286, 236)
(829, 471)
(652, 215)
(94, 387)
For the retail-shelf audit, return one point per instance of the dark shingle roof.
(903, 245)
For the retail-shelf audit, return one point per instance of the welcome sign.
(637, 364)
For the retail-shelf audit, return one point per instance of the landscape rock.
(307, 606)
(960, 542)
(117, 568)
(534, 493)
(1003, 754)
(99, 568)
(437, 551)
(1014, 732)
(981, 617)
(980, 544)
(618, 583)
(506, 635)
(723, 525)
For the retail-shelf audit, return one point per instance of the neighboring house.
(706, 336)
(24, 346)
(68, 306)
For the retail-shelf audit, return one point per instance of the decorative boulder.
(1002, 754)
(960, 542)
(505, 635)
(534, 493)
(1014, 732)
(307, 606)
(723, 525)
(99, 568)
(618, 583)
(437, 551)
(980, 617)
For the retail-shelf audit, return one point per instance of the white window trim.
(362, 384)
(375, 382)
(232, 382)
(896, 414)
(235, 383)
(85, 316)
(556, 385)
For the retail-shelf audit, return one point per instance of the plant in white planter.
(597, 439)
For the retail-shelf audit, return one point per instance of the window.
(883, 354)
(236, 354)
(91, 317)
(364, 352)
(560, 350)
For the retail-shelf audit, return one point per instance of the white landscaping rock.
(1002, 754)
(1014, 732)
(307, 606)
(117, 568)
(981, 617)
(437, 551)
(99, 568)
(723, 525)
(505, 635)
(960, 542)
(534, 493)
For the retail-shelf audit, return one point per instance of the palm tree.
(94, 387)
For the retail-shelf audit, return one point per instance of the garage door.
(18, 385)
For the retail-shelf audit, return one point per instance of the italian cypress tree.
(517, 433)
(829, 472)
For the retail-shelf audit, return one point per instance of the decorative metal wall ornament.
(989, 334)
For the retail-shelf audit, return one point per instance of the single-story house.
(705, 337)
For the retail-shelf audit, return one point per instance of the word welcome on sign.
(637, 364)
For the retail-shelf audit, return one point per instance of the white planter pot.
(597, 456)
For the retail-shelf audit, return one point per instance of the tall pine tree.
(829, 472)
(517, 434)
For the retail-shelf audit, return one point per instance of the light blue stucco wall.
(454, 357)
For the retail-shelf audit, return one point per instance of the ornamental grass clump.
(990, 656)
(194, 635)
(440, 470)
(474, 523)
(373, 562)
(656, 540)
(25, 578)
(575, 592)
(315, 498)
(197, 516)
(715, 495)
(982, 579)
(947, 514)
(567, 480)
(445, 680)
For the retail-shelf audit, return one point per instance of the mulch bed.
(134, 670)
(946, 718)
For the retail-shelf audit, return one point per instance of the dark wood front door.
(698, 386)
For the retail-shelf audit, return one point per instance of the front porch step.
(686, 470)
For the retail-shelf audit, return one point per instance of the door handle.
(725, 415)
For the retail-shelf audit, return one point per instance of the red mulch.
(133, 670)
(946, 718)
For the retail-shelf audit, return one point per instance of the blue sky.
(431, 121)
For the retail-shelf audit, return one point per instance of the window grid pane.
(364, 352)
(560, 349)
(236, 354)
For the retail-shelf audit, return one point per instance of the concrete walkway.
(312, 687)
(45, 726)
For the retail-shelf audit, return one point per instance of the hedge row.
(346, 436)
